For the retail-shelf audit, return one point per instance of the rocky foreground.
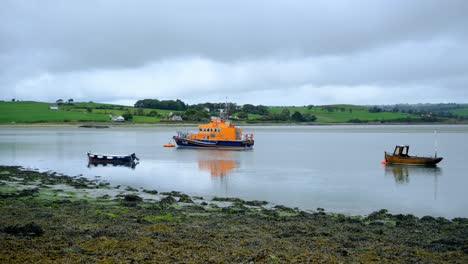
(46, 217)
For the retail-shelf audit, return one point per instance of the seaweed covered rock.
(256, 203)
(185, 199)
(378, 215)
(150, 191)
(132, 198)
(28, 192)
(166, 201)
(228, 199)
(31, 229)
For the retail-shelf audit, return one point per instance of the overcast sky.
(260, 52)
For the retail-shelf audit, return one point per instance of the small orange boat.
(400, 156)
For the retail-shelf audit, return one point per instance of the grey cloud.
(129, 33)
(93, 47)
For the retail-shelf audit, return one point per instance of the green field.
(38, 112)
(32, 112)
(342, 113)
(461, 112)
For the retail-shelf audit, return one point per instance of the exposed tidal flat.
(49, 217)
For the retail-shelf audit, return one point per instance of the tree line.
(201, 111)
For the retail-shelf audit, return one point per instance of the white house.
(53, 107)
(176, 118)
(117, 118)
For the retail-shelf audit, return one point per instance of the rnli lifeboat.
(218, 134)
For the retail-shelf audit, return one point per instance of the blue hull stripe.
(213, 144)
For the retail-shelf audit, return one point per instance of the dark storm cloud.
(92, 47)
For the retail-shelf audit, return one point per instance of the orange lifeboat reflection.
(217, 168)
(218, 162)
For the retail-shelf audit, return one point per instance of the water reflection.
(131, 165)
(217, 167)
(403, 173)
(218, 162)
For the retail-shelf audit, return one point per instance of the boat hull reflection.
(402, 173)
(217, 168)
(131, 164)
(218, 163)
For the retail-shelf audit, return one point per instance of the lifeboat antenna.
(223, 112)
(435, 143)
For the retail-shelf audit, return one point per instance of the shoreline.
(47, 216)
(176, 124)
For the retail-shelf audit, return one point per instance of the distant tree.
(374, 109)
(127, 115)
(89, 109)
(261, 110)
(164, 104)
(357, 120)
(298, 117)
(285, 111)
(242, 115)
(329, 108)
(195, 115)
(308, 117)
(248, 108)
(13, 99)
(310, 107)
(153, 113)
(252, 109)
(70, 101)
(285, 114)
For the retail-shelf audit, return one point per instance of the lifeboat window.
(397, 151)
(212, 135)
(201, 129)
(404, 152)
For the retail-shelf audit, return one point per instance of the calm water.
(334, 167)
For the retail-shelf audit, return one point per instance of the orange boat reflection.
(217, 168)
(218, 162)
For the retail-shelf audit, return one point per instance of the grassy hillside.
(342, 113)
(28, 112)
(36, 112)
(461, 111)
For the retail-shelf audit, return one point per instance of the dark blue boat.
(106, 158)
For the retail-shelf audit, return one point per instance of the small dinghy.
(107, 158)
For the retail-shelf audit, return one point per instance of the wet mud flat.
(46, 217)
